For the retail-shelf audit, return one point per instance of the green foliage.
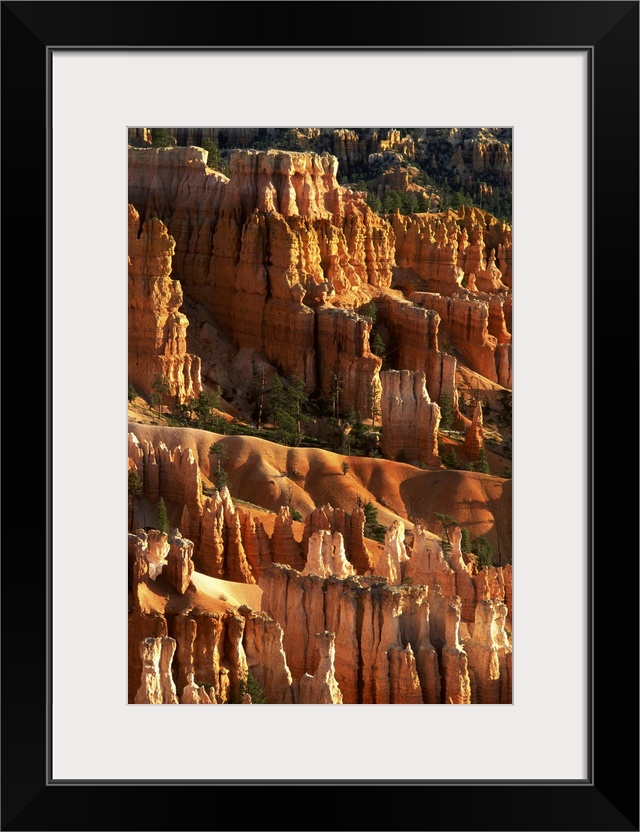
(160, 387)
(345, 468)
(131, 393)
(296, 515)
(370, 311)
(134, 483)
(450, 459)
(290, 139)
(202, 408)
(508, 473)
(288, 409)
(482, 464)
(506, 405)
(378, 347)
(484, 551)
(465, 542)
(162, 138)
(220, 477)
(447, 522)
(215, 159)
(162, 518)
(373, 529)
(373, 201)
(251, 686)
(408, 581)
(446, 411)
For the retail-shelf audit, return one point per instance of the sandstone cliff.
(409, 418)
(157, 329)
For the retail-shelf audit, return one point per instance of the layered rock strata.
(157, 329)
(414, 334)
(253, 248)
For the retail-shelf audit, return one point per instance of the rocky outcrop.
(156, 684)
(179, 563)
(321, 688)
(414, 333)
(350, 526)
(266, 659)
(370, 619)
(465, 320)
(253, 248)
(285, 548)
(342, 338)
(392, 558)
(157, 330)
(222, 551)
(445, 249)
(456, 685)
(193, 694)
(326, 556)
(474, 436)
(172, 474)
(410, 419)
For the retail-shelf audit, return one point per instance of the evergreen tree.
(373, 201)
(276, 400)
(447, 522)
(160, 387)
(372, 529)
(162, 138)
(482, 464)
(203, 408)
(345, 468)
(465, 542)
(162, 518)
(131, 393)
(484, 551)
(378, 346)
(446, 411)
(134, 489)
(220, 477)
(296, 403)
(251, 686)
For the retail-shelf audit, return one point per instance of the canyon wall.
(157, 329)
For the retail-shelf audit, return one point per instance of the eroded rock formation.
(410, 419)
(157, 329)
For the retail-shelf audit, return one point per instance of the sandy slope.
(206, 594)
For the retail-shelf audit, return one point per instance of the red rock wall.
(156, 328)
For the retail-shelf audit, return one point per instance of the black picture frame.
(608, 798)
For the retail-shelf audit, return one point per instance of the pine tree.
(162, 518)
(162, 138)
(484, 551)
(446, 411)
(134, 489)
(447, 522)
(160, 387)
(220, 476)
(482, 464)
(378, 347)
(465, 542)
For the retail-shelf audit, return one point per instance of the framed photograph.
(562, 78)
